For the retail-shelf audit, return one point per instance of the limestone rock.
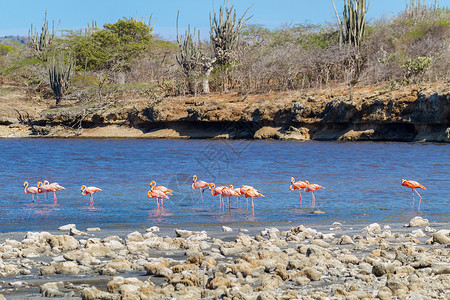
(67, 227)
(63, 242)
(418, 222)
(68, 268)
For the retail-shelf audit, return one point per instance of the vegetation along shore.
(386, 79)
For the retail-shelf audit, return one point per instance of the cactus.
(189, 56)
(60, 74)
(353, 25)
(41, 42)
(416, 8)
(225, 31)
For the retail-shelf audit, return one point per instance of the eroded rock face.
(372, 114)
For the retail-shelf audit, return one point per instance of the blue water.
(361, 180)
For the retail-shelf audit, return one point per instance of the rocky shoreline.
(333, 262)
(409, 114)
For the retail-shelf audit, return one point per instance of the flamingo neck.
(26, 186)
(212, 188)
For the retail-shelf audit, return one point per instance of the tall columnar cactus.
(418, 8)
(189, 56)
(41, 41)
(225, 31)
(353, 24)
(60, 74)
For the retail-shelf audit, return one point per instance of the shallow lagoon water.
(361, 180)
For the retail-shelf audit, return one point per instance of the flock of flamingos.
(161, 192)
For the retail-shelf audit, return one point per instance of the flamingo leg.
(54, 197)
(162, 202)
(32, 196)
(300, 194)
(412, 190)
(252, 203)
(92, 200)
(38, 198)
(313, 199)
(246, 199)
(420, 199)
(201, 194)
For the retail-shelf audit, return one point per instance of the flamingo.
(299, 185)
(90, 190)
(238, 196)
(54, 187)
(201, 185)
(45, 188)
(217, 191)
(32, 190)
(229, 192)
(160, 188)
(312, 188)
(244, 188)
(252, 193)
(413, 185)
(158, 194)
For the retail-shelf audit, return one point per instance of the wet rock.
(345, 240)
(67, 227)
(76, 232)
(119, 265)
(47, 270)
(397, 286)
(384, 293)
(152, 229)
(92, 293)
(441, 238)
(93, 229)
(63, 242)
(219, 281)
(372, 228)
(349, 259)
(418, 222)
(135, 237)
(226, 229)
(381, 269)
(311, 274)
(68, 268)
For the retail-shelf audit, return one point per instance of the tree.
(114, 45)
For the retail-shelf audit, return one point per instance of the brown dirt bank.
(379, 113)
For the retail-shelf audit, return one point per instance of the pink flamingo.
(413, 185)
(252, 193)
(238, 196)
(229, 192)
(244, 188)
(160, 188)
(45, 188)
(90, 190)
(32, 190)
(312, 188)
(200, 184)
(299, 185)
(158, 195)
(54, 187)
(217, 191)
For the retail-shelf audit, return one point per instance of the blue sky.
(17, 16)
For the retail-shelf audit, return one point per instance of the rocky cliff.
(412, 113)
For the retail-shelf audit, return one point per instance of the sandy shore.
(287, 261)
